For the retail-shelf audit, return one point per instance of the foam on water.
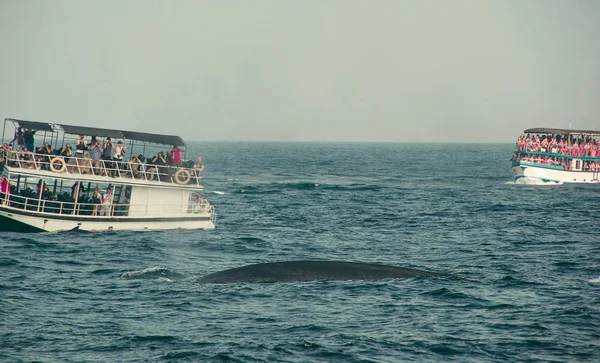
(153, 273)
(535, 181)
(595, 281)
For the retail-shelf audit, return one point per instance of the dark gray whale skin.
(312, 270)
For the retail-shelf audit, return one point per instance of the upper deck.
(72, 162)
(87, 169)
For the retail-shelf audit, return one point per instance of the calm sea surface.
(531, 254)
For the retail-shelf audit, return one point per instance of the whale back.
(312, 270)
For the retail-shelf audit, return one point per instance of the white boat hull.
(548, 173)
(12, 219)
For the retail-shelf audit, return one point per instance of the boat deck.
(87, 169)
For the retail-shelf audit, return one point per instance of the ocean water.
(529, 256)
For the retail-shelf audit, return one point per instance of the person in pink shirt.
(4, 190)
(575, 150)
(176, 156)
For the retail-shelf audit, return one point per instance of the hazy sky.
(304, 70)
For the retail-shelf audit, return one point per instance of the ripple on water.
(531, 253)
(153, 273)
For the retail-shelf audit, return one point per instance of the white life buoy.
(186, 174)
(62, 166)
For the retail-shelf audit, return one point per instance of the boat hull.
(550, 173)
(16, 220)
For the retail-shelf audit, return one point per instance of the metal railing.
(113, 209)
(558, 154)
(133, 169)
(558, 161)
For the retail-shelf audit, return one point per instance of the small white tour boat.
(71, 188)
(557, 155)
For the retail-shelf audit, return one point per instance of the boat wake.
(534, 181)
(153, 273)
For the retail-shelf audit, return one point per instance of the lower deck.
(51, 204)
(550, 173)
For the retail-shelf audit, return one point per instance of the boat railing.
(113, 209)
(134, 169)
(558, 155)
(556, 161)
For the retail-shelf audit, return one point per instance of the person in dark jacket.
(28, 139)
(20, 139)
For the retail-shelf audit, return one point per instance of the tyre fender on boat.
(58, 165)
(186, 176)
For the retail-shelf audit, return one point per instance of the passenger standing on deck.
(120, 150)
(96, 200)
(80, 148)
(135, 165)
(176, 156)
(196, 169)
(28, 138)
(156, 172)
(66, 153)
(107, 201)
(96, 154)
(199, 166)
(107, 156)
(45, 160)
(20, 139)
(4, 190)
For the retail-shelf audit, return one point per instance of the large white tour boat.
(95, 182)
(557, 155)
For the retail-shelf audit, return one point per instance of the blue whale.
(312, 270)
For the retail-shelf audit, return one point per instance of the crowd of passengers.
(559, 144)
(104, 158)
(78, 201)
(557, 161)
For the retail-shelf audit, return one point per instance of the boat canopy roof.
(155, 138)
(32, 125)
(100, 132)
(91, 131)
(546, 130)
